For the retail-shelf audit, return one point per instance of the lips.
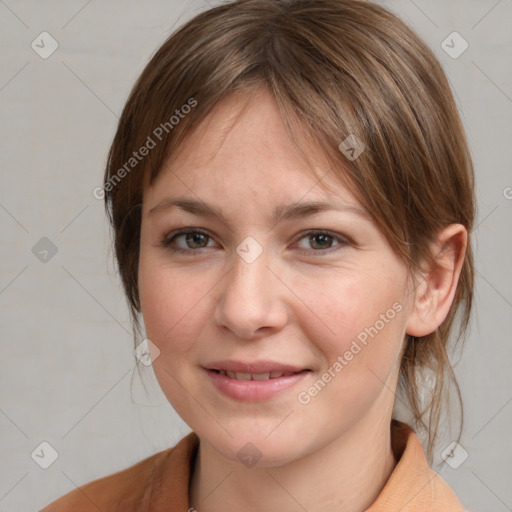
(254, 367)
(255, 380)
(254, 376)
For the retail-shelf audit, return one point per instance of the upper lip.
(253, 366)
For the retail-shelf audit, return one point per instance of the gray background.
(67, 372)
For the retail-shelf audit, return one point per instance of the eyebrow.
(280, 213)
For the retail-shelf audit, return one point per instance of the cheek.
(172, 303)
(342, 307)
(358, 317)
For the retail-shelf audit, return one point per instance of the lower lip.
(253, 390)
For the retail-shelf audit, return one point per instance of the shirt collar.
(412, 487)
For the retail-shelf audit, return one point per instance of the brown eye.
(321, 241)
(190, 240)
(195, 240)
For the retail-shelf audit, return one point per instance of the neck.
(347, 474)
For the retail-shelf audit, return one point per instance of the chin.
(266, 446)
(258, 452)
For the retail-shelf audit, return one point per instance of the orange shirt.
(160, 483)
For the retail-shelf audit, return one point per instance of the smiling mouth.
(256, 376)
(254, 381)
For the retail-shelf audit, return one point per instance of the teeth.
(260, 376)
(254, 376)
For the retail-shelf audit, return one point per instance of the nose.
(251, 302)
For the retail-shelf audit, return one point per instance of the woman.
(291, 195)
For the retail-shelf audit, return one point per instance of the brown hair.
(336, 68)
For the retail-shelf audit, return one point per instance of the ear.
(436, 289)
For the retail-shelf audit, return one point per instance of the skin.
(300, 302)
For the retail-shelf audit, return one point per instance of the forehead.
(243, 144)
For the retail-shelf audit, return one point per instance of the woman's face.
(268, 334)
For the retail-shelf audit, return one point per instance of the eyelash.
(169, 238)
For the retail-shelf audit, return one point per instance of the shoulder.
(127, 490)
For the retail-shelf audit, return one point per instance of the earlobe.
(434, 293)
